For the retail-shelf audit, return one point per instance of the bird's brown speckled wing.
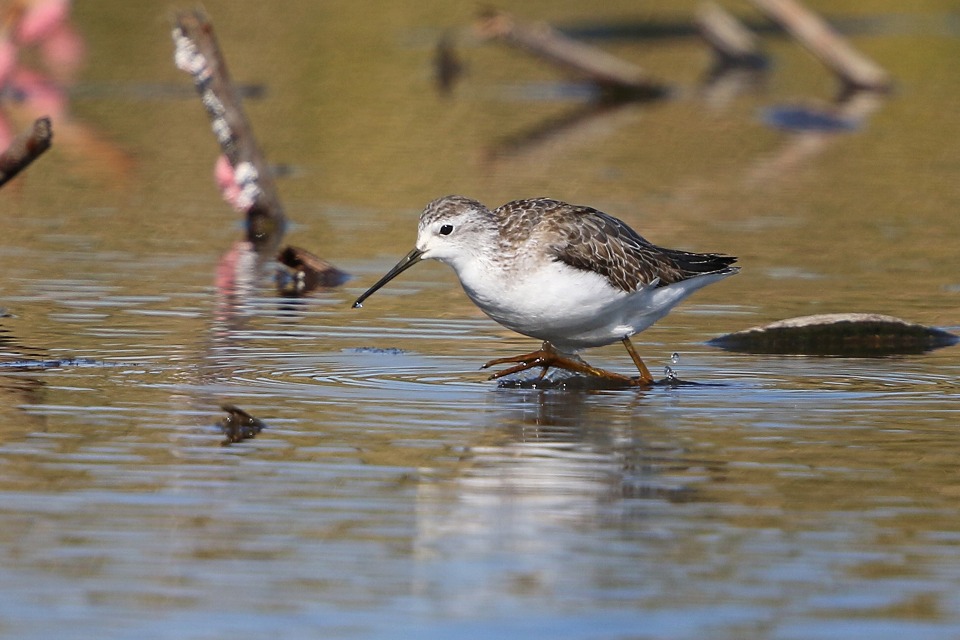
(588, 239)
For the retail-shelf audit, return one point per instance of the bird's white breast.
(548, 300)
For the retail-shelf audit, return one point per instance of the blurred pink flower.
(42, 18)
(8, 59)
(226, 181)
(63, 51)
(38, 94)
(6, 134)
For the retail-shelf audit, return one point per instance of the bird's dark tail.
(695, 264)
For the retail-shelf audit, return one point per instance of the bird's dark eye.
(446, 229)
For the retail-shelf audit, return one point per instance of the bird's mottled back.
(591, 240)
(519, 219)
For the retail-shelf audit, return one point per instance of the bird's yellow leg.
(547, 356)
(645, 377)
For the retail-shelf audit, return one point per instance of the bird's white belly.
(572, 308)
(555, 302)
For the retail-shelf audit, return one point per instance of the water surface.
(396, 492)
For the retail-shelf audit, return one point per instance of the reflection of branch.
(198, 53)
(587, 121)
(25, 148)
(447, 67)
(853, 68)
(739, 63)
(606, 71)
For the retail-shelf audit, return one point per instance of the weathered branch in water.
(606, 71)
(730, 40)
(198, 53)
(25, 148)
(854, 69)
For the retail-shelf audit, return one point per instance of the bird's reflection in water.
(557, 463)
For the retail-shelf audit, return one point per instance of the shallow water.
(395, 491)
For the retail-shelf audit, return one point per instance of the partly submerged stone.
(838, 334)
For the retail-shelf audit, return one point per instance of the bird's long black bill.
(408, 261)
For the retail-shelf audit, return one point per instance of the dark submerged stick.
(239, 425)
(198, 53)
(25, 148)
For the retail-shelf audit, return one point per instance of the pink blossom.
(6, 134)
(41, 18)
(63, 50)
(226, 181)
(39, 95)
(8, 59)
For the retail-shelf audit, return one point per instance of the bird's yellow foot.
(547, 356)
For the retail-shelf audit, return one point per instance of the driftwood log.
(854, 69)
(731, 42)
(248, 181)
(198, 53)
